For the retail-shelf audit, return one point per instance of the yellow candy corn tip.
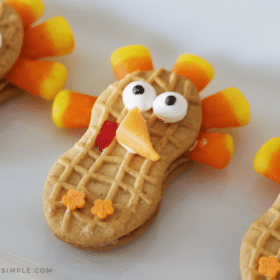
(127, 52)
(230, 144)
(205, 65)
(239, 103)
(61, 34)
(60, 103)
(55, 81)
(36, 6)
(263, 156)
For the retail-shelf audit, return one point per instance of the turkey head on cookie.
(101, 198)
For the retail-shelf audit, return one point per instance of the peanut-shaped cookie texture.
(142, 130)
(260, 248)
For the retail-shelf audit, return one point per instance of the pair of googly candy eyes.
(168, 106)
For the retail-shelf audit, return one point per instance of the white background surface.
(205, 212)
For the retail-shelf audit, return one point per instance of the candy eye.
(139, 94)
(170, 107)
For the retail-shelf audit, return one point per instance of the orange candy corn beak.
(133, 133)
(267, 160)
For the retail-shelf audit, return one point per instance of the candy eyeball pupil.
(170, 100)
(138, 89)
(170, 107)
(139, 94)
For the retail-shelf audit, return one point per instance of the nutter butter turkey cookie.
(260, 248)
(23, 44)
(107, 190)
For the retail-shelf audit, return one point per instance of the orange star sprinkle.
(269, 266)
(102, 208)
(74, 200)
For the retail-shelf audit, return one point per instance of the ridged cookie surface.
(133, 183)
(261, 239)
(11, 31)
